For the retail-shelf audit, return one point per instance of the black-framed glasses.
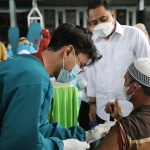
(81, 67)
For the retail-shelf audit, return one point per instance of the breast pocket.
(123, 59)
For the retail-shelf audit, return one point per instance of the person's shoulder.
(27, 68)
(24, 61)
(2, 46)
(133, 119)
(32, 49)
(130, 29)
(21, 47)
(135, 123)
(1, 43)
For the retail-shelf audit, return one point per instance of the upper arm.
(110, 141)
(141, 47)
(4, 55)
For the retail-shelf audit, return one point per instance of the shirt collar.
(119, 28)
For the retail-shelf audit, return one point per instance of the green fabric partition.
(65, 106)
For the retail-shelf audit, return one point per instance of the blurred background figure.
(45, 34)
(9, 50)
(25, 46)
(143, 28)
(3, 55)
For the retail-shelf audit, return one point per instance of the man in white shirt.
(83, 118)
(119, 46)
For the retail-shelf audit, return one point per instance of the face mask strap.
(138, 88)
(63, 62)
(135, 91)
(75, 57)
(74, 60)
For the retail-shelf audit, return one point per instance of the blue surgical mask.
(66, 76)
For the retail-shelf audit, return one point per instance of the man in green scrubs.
(26, 92)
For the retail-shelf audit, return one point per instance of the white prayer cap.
(140, 70)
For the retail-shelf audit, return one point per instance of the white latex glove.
(99, 131)
(73, 144)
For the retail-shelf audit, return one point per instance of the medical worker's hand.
(92, 113)
(99, 131)
(73, 144)
(114, 109)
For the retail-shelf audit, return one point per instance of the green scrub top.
(25, 97)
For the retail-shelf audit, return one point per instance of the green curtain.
(65, 106)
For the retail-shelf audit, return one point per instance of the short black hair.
(97, 4)
(70, 34)
(146, 89)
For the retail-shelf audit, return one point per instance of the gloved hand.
(73, 144)
(99, 131)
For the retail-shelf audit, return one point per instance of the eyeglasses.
(81, 68)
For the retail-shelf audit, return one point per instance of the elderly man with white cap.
(131, 132)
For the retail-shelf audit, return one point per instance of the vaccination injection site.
(74, 75)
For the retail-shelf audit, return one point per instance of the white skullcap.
(140, 70)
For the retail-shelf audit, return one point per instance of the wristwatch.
(92, 103)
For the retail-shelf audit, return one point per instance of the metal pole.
(34, 3)
(140, 5)
(13, 17)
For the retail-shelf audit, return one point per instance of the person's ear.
(90, 28)
(69, 50)
(136, 87)
(113, 15)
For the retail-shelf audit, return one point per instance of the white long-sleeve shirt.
(106, 77)
(83, 82)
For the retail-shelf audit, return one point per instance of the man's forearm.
(119, 116)
(92, 99)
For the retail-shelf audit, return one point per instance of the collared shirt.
(82, 80)
(132, 129)
(25, 100)
(39, 56)
(107, 75)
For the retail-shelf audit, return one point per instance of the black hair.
(146, 89)
(6, 43)
(70, 34)
(97, 4)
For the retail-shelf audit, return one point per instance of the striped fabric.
(122, 140)
(134, 130)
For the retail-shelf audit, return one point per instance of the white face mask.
(103, 29)
(125, 89)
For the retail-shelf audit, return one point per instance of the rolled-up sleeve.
(141, 47)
